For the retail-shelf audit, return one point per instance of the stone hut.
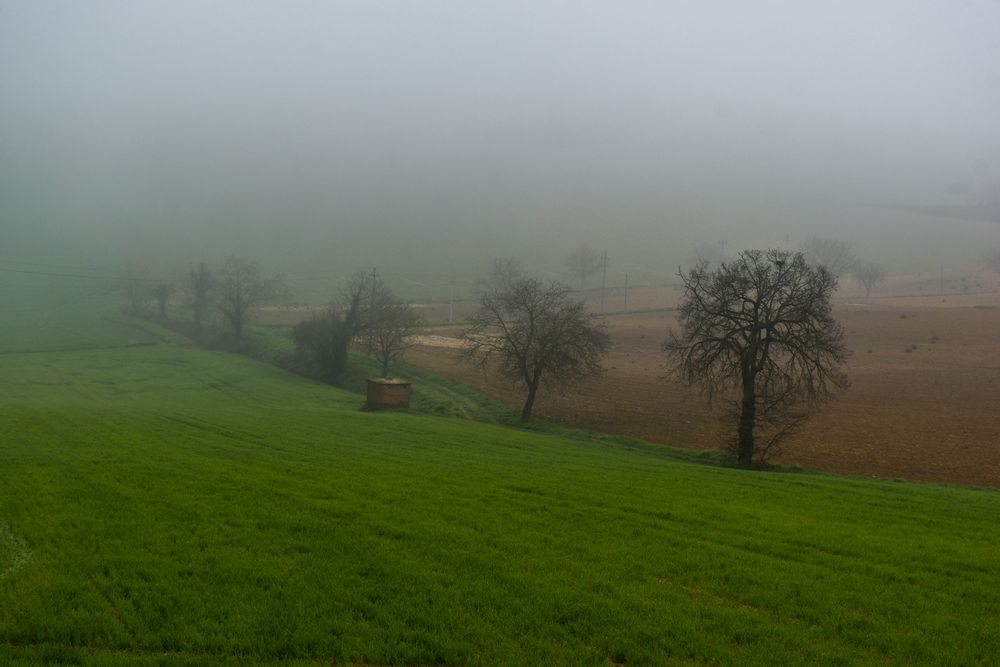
(388, 393)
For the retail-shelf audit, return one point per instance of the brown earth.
(931, 413)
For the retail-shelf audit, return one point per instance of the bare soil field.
(924, 402)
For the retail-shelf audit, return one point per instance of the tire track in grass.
(115, 612)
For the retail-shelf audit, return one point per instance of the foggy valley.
(499, 332)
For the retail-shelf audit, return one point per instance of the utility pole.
(626, 292)
(722, 251)
(942, 280)
(371, 312)
(451, 301)
(604, 279)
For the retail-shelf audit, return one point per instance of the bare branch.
(837, 256)
(535, 334)
(242, 288)
(583, 263)
(868, 275)
(759, 332)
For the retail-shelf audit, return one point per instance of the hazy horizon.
(431, 136)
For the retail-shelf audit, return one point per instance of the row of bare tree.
(368, 314)
(755, 332)
(235, 290)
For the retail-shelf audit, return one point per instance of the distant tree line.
(839, 259)
(366, 316)
(756, 331)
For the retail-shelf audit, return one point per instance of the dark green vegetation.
(164, 504)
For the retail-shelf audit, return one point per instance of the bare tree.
(390, 324)
(162, 293)
(199, 286)
(868, 274)
(325, 339)
(758, 333)
(535, 334)
(583, 263)
(242, 288)
(837, 256)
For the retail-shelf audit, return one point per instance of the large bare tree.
(535, 334)
(242, 287)
(758, 333)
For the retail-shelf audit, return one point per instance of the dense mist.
(429, 137)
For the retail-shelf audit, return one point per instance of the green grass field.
(162, 504)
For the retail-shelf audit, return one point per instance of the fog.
(427, 137)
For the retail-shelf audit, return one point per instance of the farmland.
(162, 504)
(925, 374)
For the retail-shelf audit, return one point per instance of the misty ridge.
(430, 140)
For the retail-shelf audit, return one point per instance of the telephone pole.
(451, 301)
(371, 311)
(626, 292)
(604, 278)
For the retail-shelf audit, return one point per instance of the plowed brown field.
(931, 413)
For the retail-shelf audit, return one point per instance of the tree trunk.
(530, 402)
(385, 366)
(748, 415)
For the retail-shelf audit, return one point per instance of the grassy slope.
(165, 503)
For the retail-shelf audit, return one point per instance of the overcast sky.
(281, 125)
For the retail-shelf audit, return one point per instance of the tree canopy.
(535, 333)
